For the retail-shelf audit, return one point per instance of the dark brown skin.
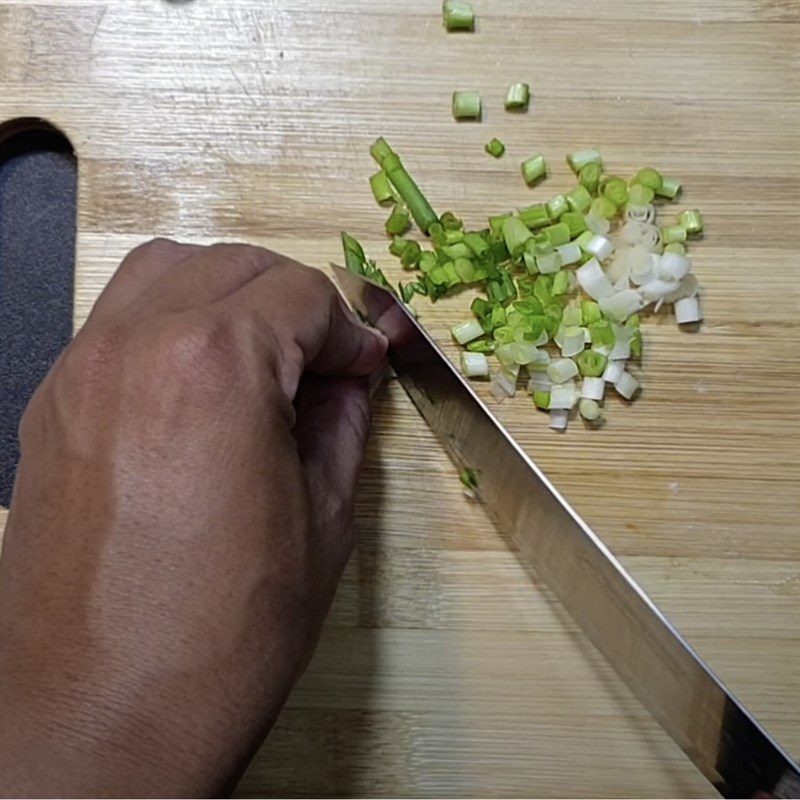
(181, 517)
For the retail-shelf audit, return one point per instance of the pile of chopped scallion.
(564, 280)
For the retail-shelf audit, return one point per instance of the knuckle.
(248, 260)
(204, 352)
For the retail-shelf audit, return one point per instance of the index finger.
(308, 319)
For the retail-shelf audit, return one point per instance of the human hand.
(179, 523)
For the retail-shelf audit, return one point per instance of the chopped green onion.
(534, 169)
(427, 261)
(481, 346)
(675, 247)
(474, 365)
(558, 234)
(562, 370)
(398, 221)
(465, 269)
(542, 400)
(649, 177)
(466, 105)
(476, 243)
(557, 206)
(591, 363)
(593, 280)
(408, 190)
(691, 221)
(627, 385)
(575, 222)
(603, 207)
(583, 239)
(515, 234)
(592, 388)
(589, 410)
(450, 222)
(535, 216)
(382, 190)
(411, 255)
(495, 148)
(407, 291)
(457, 15)
(579, 199)
(687, 310)
(670, 187)
(496, 225)
(570, 253)
(616, 190)
(398, 246)
(640, 195)
(518, 96)
(675, 233)
(602, 333)
(469, 477)
(589, 176)
(578, 160)
(590, 312)
(560, 280)
(354, 257)
(457, 250)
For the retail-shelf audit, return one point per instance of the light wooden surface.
(445, 669)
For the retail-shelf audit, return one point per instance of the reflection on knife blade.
(717, 733)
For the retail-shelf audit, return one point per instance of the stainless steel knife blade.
(692, 705)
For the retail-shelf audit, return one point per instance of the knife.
(715, 731)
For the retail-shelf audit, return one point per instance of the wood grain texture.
(445, 668)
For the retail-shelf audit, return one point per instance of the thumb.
(333, 419)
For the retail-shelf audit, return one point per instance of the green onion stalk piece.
(495, 148)
(398, 221)
(469, 477)
(558, 234)
(591, 363)
(467, 331)
(535, 216)
(649, 177)
(518, 97)
(675, 233)
(575, 222)
(670, 187)
(616, 190)
(691, 221)
(578, 160)
(590, 175)
(515, 234)
(557, 206)
(534, 169)
(382, 190)
(579, 199)
(457, 15)
(603, 207)
(542, 400)
(640, 195)
(466, 105)
(404, 184)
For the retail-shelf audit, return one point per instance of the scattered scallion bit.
(578, 160)
(457, 15)
(670, 187)
(466, 105)
(691, 221)
(398, 221)
(534, 169)
(495, 148)
(381, 188)
(469, 477)
(518, 97)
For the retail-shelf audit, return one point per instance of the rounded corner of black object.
(38, 207)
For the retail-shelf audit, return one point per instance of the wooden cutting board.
(445, 669)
